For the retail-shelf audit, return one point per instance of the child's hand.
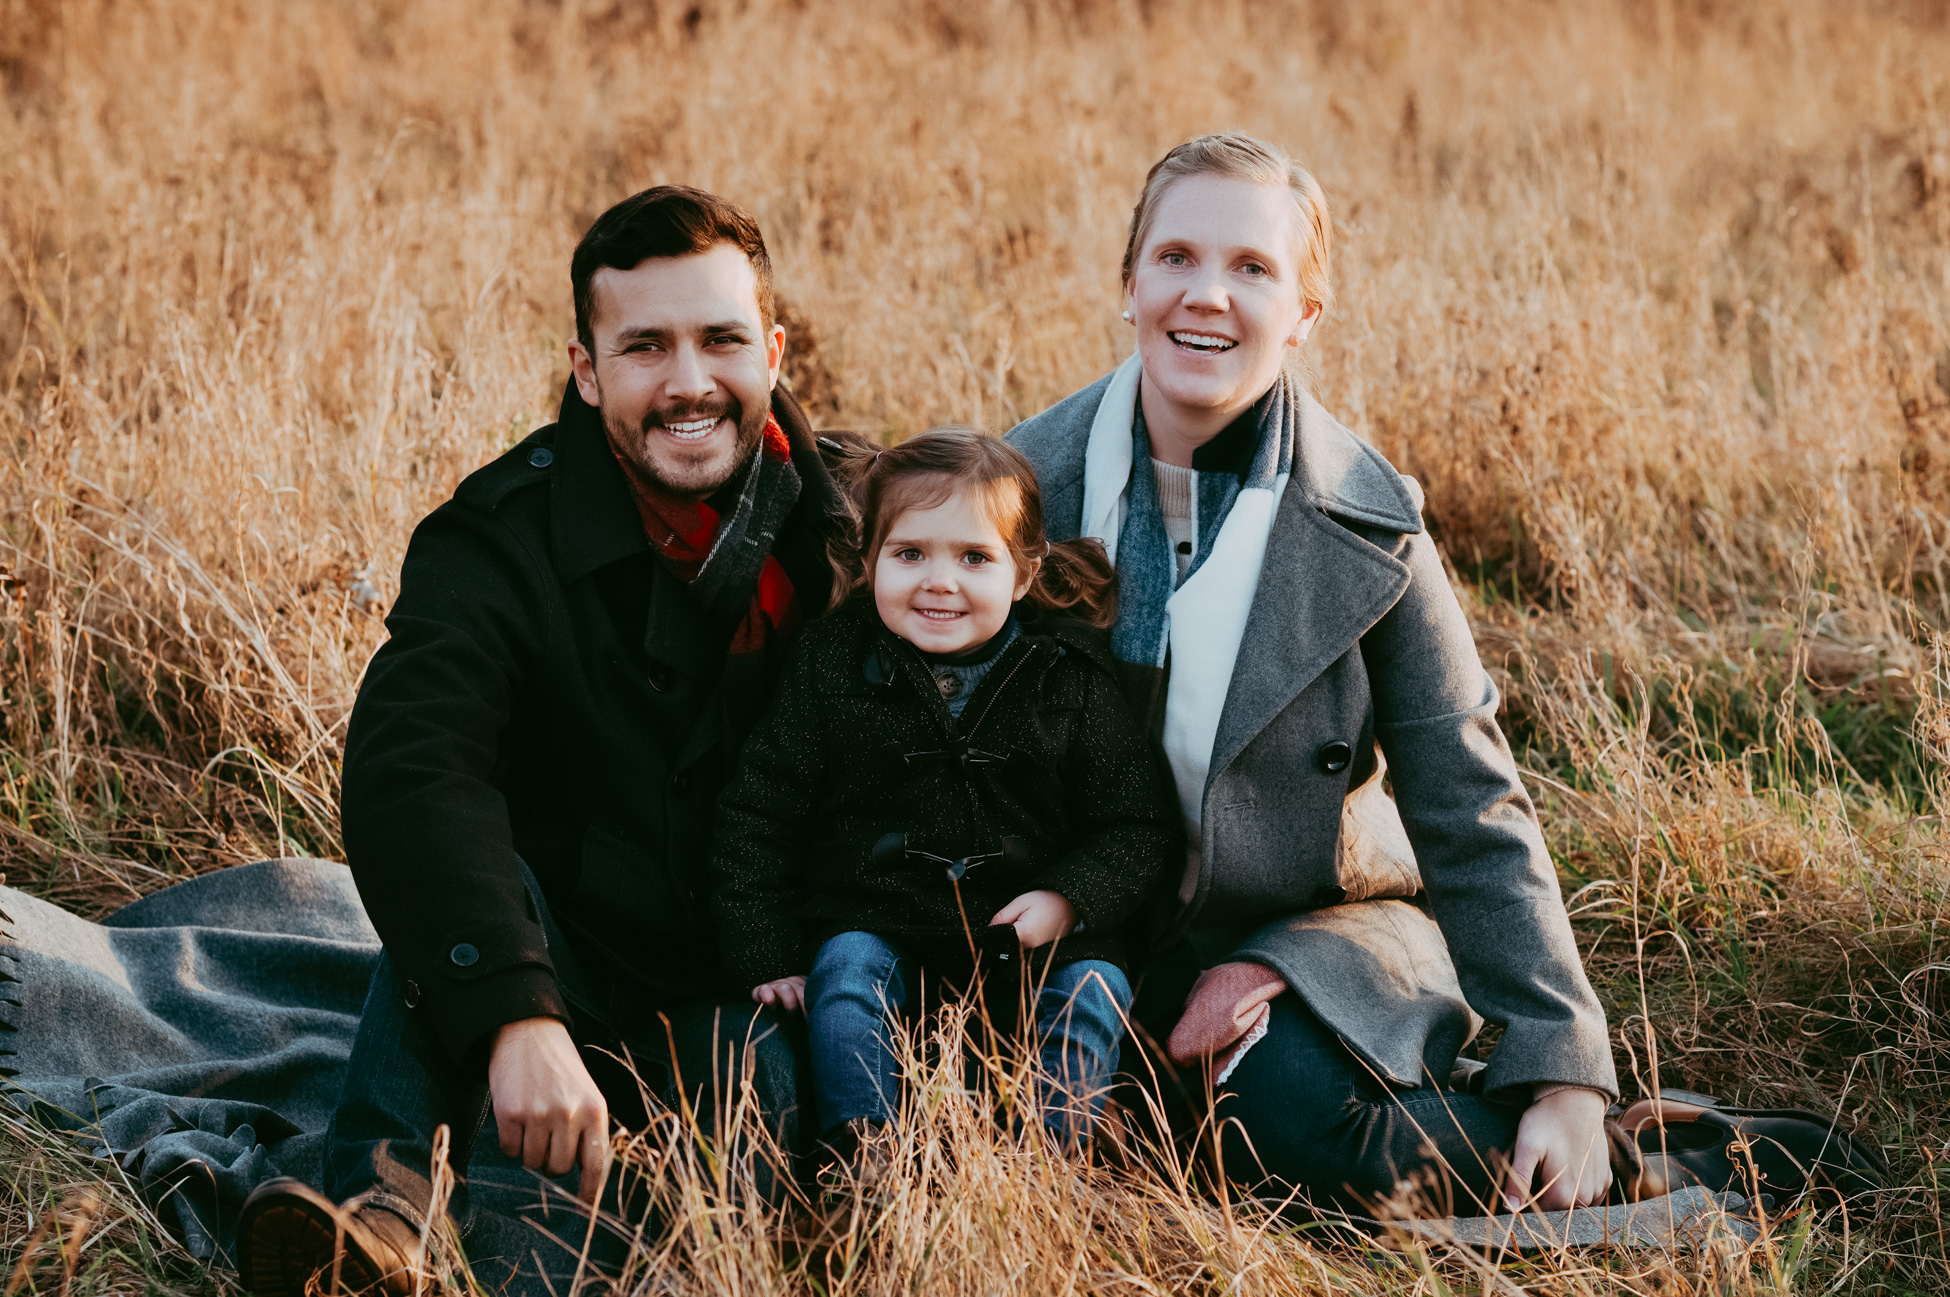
(788, 993)
(1040, 918)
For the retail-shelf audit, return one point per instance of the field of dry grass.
(1654, 298)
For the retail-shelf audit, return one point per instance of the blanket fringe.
(9, 962)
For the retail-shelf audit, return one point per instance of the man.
(583, 636)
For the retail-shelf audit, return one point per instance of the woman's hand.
(1039, 918)
(1561, 1141)
(788, 993)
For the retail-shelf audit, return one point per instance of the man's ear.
(584, 366)
(775, 352)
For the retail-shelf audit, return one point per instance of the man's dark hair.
(667, 221)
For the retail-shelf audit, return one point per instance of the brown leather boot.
(289, 1232)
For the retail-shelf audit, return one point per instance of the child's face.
(944, 579)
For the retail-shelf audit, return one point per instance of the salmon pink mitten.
(1226, 1003)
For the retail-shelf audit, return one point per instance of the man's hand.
(1039, 917)
(547, 1108)
(1561, 1139)
(788, 993)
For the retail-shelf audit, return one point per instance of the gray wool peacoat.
(1403, 922)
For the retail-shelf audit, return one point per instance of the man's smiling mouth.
(693, 429)
(1206, 344)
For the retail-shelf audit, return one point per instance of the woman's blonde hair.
(1237, 156)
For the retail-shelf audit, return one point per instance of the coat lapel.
(1321, 586)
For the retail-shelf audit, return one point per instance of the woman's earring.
(1127, 317)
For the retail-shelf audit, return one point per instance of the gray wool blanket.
(199, 1037)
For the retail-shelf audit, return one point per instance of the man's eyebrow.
(655, 333)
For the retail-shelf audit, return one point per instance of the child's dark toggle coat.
(862, 804)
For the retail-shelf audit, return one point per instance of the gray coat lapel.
(1321, 586)
(1054, 443)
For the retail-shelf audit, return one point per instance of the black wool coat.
(552, 694)
(860, 744)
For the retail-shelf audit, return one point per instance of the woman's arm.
(1491, 885)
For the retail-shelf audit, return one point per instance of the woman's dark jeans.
(1302, 1112)
(858, 979)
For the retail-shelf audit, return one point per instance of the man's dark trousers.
(401, 1086)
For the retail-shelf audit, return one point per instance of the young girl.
(948, 751)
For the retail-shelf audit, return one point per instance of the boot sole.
(293, 1236)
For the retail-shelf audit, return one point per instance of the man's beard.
(676, 473)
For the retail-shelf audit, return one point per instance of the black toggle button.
(412, 996)
(1330, 895)
(1334, 757)
(465, 955)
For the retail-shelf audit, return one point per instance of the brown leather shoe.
(289, 1232)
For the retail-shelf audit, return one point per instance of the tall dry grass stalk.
(1654, 298)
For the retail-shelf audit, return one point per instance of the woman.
(1288, 628)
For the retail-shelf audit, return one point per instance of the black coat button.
(412, 996)
(465, 955)
(1334, 757)
(659, 678)
(541, 457)
(1330, 895)
(680, 785)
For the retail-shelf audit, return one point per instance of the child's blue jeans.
(858, 979)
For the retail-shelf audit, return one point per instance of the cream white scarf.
(1206, 616)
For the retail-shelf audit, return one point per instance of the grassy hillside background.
(1654, 298)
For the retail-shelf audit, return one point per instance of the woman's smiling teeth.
(1205, 342)
(692, 429)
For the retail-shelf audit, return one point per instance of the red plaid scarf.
(684, 531)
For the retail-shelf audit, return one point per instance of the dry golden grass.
(1654, 298)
